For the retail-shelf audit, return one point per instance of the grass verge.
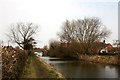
(37, 68)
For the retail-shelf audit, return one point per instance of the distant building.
(107, 48)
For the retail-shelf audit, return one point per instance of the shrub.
(13, 62)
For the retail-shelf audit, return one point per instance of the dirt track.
(36, 68)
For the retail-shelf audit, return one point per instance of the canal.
(80, 69)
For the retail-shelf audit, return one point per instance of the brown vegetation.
(13, 61)
(104, 59)
(74, 49)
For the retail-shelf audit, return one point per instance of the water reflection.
(80, 69)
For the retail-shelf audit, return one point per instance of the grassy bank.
(37, 68)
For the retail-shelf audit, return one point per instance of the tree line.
(81, 36)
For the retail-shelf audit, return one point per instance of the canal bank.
(37, 68)
(103, 59)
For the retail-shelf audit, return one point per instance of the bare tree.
(90, 30)
(67, 33)
(23, 34)
(85, 31)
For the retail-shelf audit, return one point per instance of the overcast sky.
(50, 14)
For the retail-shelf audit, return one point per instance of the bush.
(64, 50)
(13, 62)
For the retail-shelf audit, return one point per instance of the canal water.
(80, 69)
